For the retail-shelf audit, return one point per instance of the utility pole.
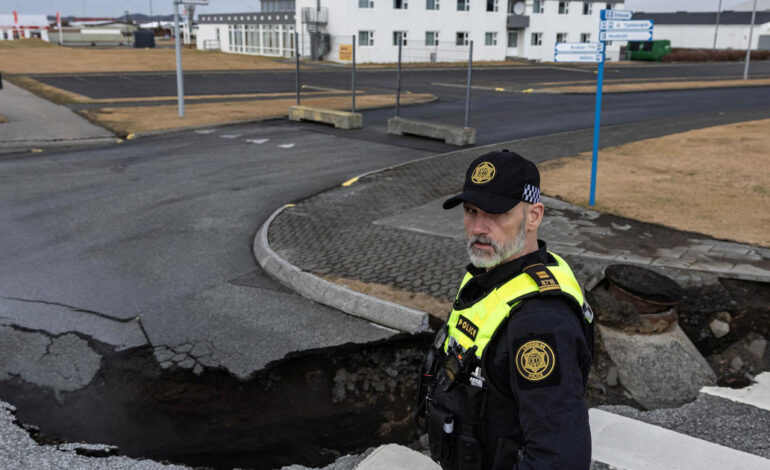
(748, 48)
(152, 17)
(716, 28)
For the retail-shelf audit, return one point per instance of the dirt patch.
(3, 119)
(437, 308)
(656, 86)
(56, 59)
(133, 119)
(711, 181)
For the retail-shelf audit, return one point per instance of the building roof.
(25, 21)
(704, 18)
(272, 17)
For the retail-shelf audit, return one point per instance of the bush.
(708, 55)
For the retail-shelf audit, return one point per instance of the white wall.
(346, 19)
(702, 36)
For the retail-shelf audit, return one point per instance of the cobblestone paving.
(388, 228)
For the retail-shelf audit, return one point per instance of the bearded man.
(503, 385)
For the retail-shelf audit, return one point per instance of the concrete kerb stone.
(340, 119)
(453, 135)
(333, 295)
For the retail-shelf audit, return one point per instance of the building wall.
(255, 39)
(702, 36)
(346, 19)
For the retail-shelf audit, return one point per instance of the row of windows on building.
(278, 5)
(462, 38)
(274, 40)
(538, 6)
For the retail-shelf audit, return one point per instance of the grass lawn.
(713, 181)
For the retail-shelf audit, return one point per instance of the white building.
(441, 30)
(16, 26)
(269, 32)
(696, 30)
(430, 30)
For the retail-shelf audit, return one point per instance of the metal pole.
(716, 28)
(354, 74)
(748, 48)
(398, 78)
(468, 87)
(179, 78)
(597, 120)
(152, 18)
(296, 60)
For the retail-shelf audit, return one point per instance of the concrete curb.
(333, 295)
(9, 146)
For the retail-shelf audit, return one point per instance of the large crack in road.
(308, 408)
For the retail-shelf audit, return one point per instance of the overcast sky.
(164, 7)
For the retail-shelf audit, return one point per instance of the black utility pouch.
(470, 453)
(440, 441)
(507, 455)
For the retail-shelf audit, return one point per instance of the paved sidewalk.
(37, 123)
(388, 228)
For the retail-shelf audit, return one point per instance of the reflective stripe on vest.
(477, 324)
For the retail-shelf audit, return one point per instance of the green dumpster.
(648, 50)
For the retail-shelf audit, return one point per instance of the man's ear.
(534, 215)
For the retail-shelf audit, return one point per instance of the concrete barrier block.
(452, 135)
(340, 119)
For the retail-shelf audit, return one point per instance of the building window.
(537, 39)
(400, 4)
(561, 37)
(585, 37)
(462, 38)
(431, 38)
(490, 39)
(563, 8)
(492, 5)
(399, 35)
(431, 4)
(609, 6)
(588, 8)
(513, 39)
(537, 6)
(365, 3)
(366, 38)
(463, 5)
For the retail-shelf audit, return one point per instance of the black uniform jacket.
(548, 419)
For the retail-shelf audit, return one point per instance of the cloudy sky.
(163, 7)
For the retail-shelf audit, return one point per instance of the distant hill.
(135, 17)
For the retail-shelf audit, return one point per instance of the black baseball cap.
(497, 181)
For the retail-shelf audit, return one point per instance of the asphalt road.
(125, 85)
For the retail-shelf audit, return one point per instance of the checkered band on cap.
(531, 194)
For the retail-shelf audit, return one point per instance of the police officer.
(503, 385)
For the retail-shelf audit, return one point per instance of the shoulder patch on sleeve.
(545, 280)
(537, 363)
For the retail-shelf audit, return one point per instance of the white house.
(697, 30)
(429, 30)
(17, 26)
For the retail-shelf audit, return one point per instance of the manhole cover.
(644, 284)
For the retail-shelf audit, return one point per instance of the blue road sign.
(635, 25)
(617, 14)
(644, 35)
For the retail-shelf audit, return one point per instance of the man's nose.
(479, 226)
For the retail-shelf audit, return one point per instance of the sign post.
(178, 47)
(615, 25)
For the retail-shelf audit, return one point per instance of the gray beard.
(480, 259)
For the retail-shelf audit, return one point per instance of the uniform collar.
(484, 281)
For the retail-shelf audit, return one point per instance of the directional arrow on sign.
(625, 36)
(617, 14)
(627, 25)
(578, 47)
(572, 57)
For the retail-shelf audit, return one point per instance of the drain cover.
(644, 284)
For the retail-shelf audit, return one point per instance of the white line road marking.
(230, 136)
(205, 131)
(286, 146)
(635, 445)
(757, 394)
(257, 141)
